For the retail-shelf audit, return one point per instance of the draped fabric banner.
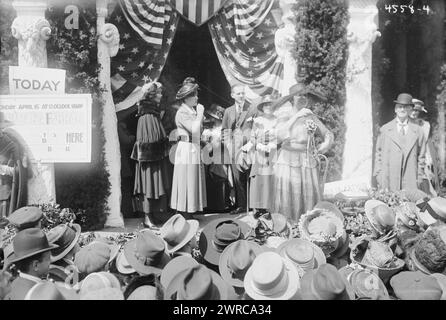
(245, 47)
(146, 29)
(197, 11)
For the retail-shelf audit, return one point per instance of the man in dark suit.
(236, 126)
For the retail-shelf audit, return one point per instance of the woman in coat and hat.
(400, 150)
(151, 151)
(297, 188)
(188, 185)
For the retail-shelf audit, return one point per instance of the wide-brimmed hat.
(267, 99)
(271, 277)
(66, 237)
(404, 98)
(323, 227)
(177, 232)
(218, 234)
(236, 259)
(377, 257)
(175, 267)
(28, 243)
(302, 253)
(429, 252)
(146, 254)
(432, 210)
(380, 216)
(122, 265)
(186, 90)
(198, 283)
(415, 285)
(299, 89)
(418, 105)
(48, 290)
(330, 207)
(325, 283)
(365, 283)
(215, 111)
(95, 256)
(3, 122)
(25, 217)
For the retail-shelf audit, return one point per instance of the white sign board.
(55, 128)
(28, 80)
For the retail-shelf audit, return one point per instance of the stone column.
(108, 45)
(362, 32)
(31, 29)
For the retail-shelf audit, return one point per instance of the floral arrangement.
(54, 215)
(391, 198)
(311, 126)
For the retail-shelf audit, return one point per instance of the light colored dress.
(189, 184)
(296, 175)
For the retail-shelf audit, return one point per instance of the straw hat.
(380, 216)
(302, 253)
(146, 254)
(432, 210)
(177, 232)
(365, 283)
(271, 277)
(218, 234)
(236, 259)
(66, 237)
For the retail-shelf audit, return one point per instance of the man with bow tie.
(236, 126)
(400, 150)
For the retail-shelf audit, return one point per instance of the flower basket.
(311, 228)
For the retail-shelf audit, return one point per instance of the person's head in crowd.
(66, 237)
(101, 286)
(214, 114)
(146, 254)
(95, 257)
(48, 290)
(32, 252)
(179, 235)
(238, 93)
(26, 217)
(418, 107)
(152, 91)
(403, 106)
(188, 94)
(265, 106)
(146, 287)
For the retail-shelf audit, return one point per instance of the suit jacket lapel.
(242, 115)
(411, 137)
(393, 134)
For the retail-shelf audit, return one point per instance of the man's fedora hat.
(271, 277)
(122, 265)
(404, 98)
(146, 254)
(175, 267)
(177, 232)
(325, 283)
(236, 259)
(218, 234)
(304, 254)
(198, 283)
(66, 237)
(28, 243)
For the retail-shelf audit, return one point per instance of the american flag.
(245, 47)
(197, 11)
(146, 29)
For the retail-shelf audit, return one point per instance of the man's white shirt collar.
(29, 277)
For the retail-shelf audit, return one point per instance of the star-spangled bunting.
(245, 46)
(140, 60)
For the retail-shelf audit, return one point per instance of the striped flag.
(143, 48)
(197, 11)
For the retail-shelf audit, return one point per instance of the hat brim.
(175, 267)
(418, 264)
(368, 209)
(186, 93)
(330, 207)
(319, 256)
(213, 115)
(139, 267)
(381, 291)
(193, 228)
(223, 268)
(307, 293)
(122, 264)
(15, 259)
(293, 284)
(403, 103)
(207, 249)
(77, 228)
(225, 291)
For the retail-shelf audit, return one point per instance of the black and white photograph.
(222, 150)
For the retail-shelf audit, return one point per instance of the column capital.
(109, 35)
(30, 8)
